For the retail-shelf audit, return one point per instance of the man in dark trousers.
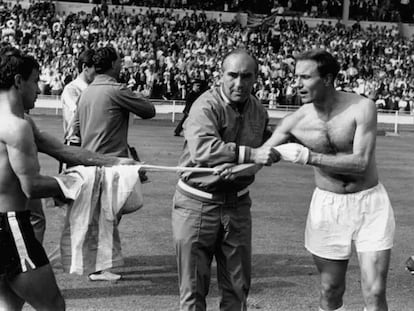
(189, 100)
(211, 216)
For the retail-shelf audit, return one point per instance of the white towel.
(90, 239)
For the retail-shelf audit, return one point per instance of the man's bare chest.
(326, 136)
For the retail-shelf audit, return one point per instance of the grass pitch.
(284, 277)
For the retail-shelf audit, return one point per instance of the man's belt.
(209, 196)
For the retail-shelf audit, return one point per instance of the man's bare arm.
(23, 160)
(363, 146)
(72, 155)
(281, 134)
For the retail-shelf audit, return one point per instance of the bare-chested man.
(25, 272)
(335, 132)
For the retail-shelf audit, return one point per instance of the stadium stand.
(163, 51)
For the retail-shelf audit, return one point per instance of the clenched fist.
(294, 153)
(265, 155)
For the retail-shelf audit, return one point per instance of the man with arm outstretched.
(335, 132)
(23, 262)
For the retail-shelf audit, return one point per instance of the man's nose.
(237, 81)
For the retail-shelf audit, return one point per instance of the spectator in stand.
(273, 96)
(192, 45)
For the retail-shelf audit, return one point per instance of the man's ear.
(18, 81)
(329, 79)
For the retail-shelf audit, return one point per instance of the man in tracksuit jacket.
(211, 214)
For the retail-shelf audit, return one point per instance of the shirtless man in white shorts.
(335, 132)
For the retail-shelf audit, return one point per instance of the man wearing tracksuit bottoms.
(211, 213)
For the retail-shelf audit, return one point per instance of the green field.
(284, 277)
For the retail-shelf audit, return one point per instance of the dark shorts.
(20, 251)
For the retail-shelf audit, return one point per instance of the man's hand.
(127, 161)
(294, 153)
(230, 171)
(225, 171)
(265, 155)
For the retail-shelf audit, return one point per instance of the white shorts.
(334, 220)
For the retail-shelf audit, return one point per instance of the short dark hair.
(103, 59)
(86, 57)
(13, 62)
(242, 51)
(327, 64)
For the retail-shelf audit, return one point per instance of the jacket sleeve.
(202, 133)
(134, 103)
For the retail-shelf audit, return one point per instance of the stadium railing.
(49, 104)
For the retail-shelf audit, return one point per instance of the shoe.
(409, 265)
(177, 134)
(104, 276)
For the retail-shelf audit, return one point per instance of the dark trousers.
(202, 231)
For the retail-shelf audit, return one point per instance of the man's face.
(30, 89)
(196, 87)
(308, 82)
(238, 77)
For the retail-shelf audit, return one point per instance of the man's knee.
(332, 293)
(58, 303)
(374, 294)
(51, 303)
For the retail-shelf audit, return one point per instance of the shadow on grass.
(157, 276)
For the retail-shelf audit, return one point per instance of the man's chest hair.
(326, 136)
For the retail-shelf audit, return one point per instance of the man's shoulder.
(210, 95)
(71, 88)
(110, 83)
(13, 128)
(12, 120)
(256, 101)
(74, 87)
(353, 98)
(105, 80)
(293, 118)
(357, 106)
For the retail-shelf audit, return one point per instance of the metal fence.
(49, 104)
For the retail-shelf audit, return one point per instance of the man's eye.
(246, 76)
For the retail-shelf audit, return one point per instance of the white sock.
(341, 308)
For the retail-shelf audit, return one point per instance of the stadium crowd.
(163, 52)
(375, 10)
